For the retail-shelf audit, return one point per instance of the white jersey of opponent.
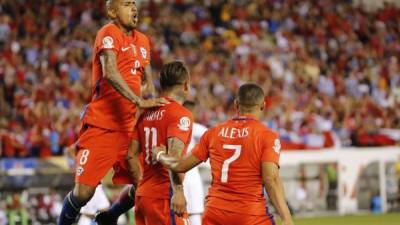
(98, 202)
(192, 184)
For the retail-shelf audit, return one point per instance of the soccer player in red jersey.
(120, 55)
(159, 196)
(244, 156)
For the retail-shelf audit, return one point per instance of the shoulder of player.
(176, 110)
(109, 28)
(141, 36)
(262, 130)
(109, 33)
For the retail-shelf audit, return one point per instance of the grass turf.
(385, 219)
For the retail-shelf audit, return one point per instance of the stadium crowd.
(331, 70)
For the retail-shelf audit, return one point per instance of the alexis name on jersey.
(232, 133)
(154, 115)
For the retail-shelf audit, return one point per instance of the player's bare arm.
(133, 162)
(175, 149)
(149, 80)
(108, 61)
(174, 163)
(274, 187)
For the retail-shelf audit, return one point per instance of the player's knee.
(83, 193)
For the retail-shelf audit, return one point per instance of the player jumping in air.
(120, 55)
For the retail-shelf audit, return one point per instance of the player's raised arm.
(132, 158)
(108, 61)
(274, 187)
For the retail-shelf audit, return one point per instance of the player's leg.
(126, 199)
(99, 201)
(94, 159)
(152, 211)
(125, 202)
(73, 203)
(195, 219)
(194, 193)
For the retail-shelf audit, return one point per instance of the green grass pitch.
(385, 219)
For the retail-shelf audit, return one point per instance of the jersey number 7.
(225, 166)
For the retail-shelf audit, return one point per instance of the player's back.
(236, 151)
(154, 127)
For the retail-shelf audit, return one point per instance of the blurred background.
(330, 69)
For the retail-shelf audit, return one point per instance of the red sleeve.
(201, 149)
(108, 38)
(181, 127)
(146, 52)
(271, 147)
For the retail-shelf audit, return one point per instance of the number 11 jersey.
(154, 127)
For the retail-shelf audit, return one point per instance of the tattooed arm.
(175, 149)
(108, 61)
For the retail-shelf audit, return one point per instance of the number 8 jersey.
(236, 149)
(153, 128)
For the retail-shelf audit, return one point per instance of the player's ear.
(262, 106)
(111, 13)
(186, 86)
(236, 104)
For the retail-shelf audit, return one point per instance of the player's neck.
(255, 115)
(174, 96)
(123, 29)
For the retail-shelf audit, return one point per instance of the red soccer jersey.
(108, 109)
(236, 149)
(154, 127)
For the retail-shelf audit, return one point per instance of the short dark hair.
(250, 94)
(173, 73)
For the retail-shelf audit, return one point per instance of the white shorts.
(194, 193)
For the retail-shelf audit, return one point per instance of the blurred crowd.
(19, 207)
(331, 70)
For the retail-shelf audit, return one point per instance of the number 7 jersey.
(153, 128)
(236, 149)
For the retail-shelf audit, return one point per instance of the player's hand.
(156, 150)
(154, 102)
(178, 202)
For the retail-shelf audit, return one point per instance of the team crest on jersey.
(144, 52)
(277, 146)
(79, 170)
(108, 42)
(184, 123)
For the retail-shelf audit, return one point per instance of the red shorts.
(156, 211)
(98, 151)
(214, 216)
